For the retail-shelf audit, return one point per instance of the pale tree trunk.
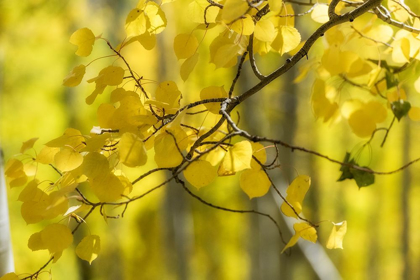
(6, 256)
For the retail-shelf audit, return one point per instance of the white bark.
(6, 256)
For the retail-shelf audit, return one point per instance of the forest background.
(170, 236)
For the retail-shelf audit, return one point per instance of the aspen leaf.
(335, 241)
(295, 194)
(265, 31)
(414, 113)
(132, 152)
(188, 66)
(236, 159)
(417, 85)
(110, 76)
(30, 192)
(224, 55)
(234, 9)
(244, 26)
(14, 168)
(35, 242)
(275, 5)
(107, 188)
(71, 137)
(18, 182)
(147, 40)
(95, 165)
(400, 108)
(167, 92)
(166, 152)
(196, 11)
(185, 45)
(210, 93)
(75, 77)
(302, 230)
(200, 173)
(258, 151)
(89, 248)
(10, 276)
(361, 124)
(56, 237)
(287, 39)
(28, 145)
(215, 156)
(67, 159)
(84, 39)
(136, 23)
(320, 13)
(254, 182)
(156, 18)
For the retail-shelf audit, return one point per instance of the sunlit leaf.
(234, 9)
(95, 165)
(265, 31)
(89, 248)
(210, 93)
(244, 26)
(302, 230)
(67, 159)
(287, 39)
(75, 77)
(295, 194)
(258, 151)
(47, 154)
(28, 145)
(56, 237)
(166, 151)
(254, 182)
(320, 13)
(185, 45)
(236, 159)
(335, 241)
(200, 173)
(132, 152)
(10, 276)
(107, 188)
(188, 66)
(84, 40)
(156, 17)
(136, 23)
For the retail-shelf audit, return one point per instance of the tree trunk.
(6, 255)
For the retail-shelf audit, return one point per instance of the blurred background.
(168, 234)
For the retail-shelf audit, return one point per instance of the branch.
(384, 15)
(252, 58)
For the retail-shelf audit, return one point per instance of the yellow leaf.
(185, 45)
(166, 152)
(56, 237)
(14, 168)
(71, 137)
(107, 188)
(132, 152)
(302, 230)
(215, 156)
(28, 145)
(275, 5)
(225, 54)
(346, 59)
(67, 159)
(84, 40)
(35, 242)
(376, 111)
(110, 76)
(321, 105)
(210, 93)
(31, 192)
(287, 39)
(200, 173)
(75, 77)
(147, 40)
(10, 276)
(254, 182)
(168, 92)
(234, 9)
(417, 85)
(414, 113)
(95, 165)
(335, 241)
(89, 248)
(244, 26)
(47, 154)
(265, 31)
(156, 17)
(188, 66)
(295, 194)
(320, 13)
(136, 23)
(361, 123)
(196, 11)
(236, 159)
(258, 151)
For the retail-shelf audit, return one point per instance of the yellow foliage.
(88, 249)
(236, 159)
(254, 182)
(200, 173)
(302, 230)
(335, 241)
(84, 39)
(295, 194)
